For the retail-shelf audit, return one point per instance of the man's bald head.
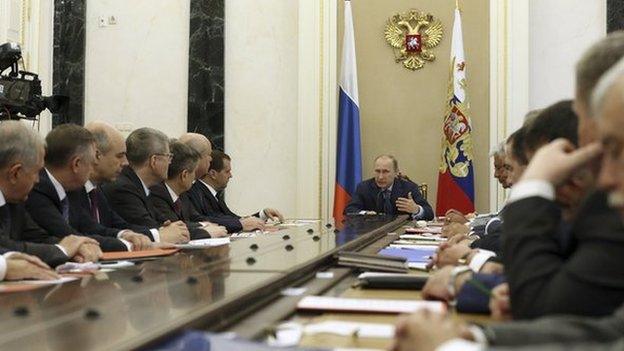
(111, 151)
(202, 145)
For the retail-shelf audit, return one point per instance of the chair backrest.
(424, 189)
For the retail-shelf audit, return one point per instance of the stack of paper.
(204, 243)
(361, 330)
(434, 230)
(328, 303)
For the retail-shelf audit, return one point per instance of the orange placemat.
(128, 255)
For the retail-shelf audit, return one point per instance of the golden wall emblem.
(413, 34)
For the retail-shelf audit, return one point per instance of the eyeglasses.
(167, 155)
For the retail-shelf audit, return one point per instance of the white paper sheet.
(368, 305)
(355, 329)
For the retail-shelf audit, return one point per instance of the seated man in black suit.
(170, 198)
(109, 160)
(21, 159)
(387, 193)
(210, 191)
(70, 153)
(202, 145)
(149, 157)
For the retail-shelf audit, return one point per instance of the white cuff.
(478, 335)
(419, 213)
(263, 215)
(530, 188)
(459, 345)
(121, 233)
(477, 262)
(155, 234)
(3, 267)
(62, 250)
(127, 243)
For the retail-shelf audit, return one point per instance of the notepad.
(328, 303)
(204, 243)
(129, 255)
(422, 254)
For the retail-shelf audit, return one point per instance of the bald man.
(200, 194)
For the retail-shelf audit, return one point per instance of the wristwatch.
(453, 279)
(463, 261)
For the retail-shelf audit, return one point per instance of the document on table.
(425, 237)
(204, 243)
(328, 303)
(433, 230)
(26, 285)
(356, 329)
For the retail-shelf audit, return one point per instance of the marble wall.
(69, 58)
(615, 15)
(206, 83)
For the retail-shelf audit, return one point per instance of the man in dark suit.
(387, 193)
(170, 199)
(149, 157)
(207, 196)
(70, 153)
(21, 158)
(90, 200)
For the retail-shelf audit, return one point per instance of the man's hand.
(500, 307)
(452, 229)
(407, 204)
(216, 231)
(252, 223)
(556, 161)
(72, 243)
(174, 233)
(274, 214)
(454, 216)
(22, 266)
(436, 287)
(88, 252)
(424, 331)
(449, 255)
(139, 241)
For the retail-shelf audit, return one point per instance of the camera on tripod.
(20, 91)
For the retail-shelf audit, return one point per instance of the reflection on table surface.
(120, 309)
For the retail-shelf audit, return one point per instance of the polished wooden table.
(236, 287)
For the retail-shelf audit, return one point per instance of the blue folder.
(412, 255)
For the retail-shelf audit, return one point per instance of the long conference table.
(245, 288)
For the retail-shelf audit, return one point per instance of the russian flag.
(456, 173)
(348, 146)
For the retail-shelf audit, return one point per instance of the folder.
(373, 262)
(129, 255)
(411, 255)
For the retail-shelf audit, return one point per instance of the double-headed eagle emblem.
(413, 34)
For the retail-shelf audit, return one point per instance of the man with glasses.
(148, 157)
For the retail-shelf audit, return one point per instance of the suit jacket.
(127, 197)
(202, 200)
(19, 231)
(543, 279)
(80, 203)
(558, 329)
(367, 197)
(45, 208)
(163, 203)
(470, 299)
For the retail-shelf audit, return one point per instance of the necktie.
(94, 203)
(177, 207)
(387, 205)
(65, 209)
(5, 219)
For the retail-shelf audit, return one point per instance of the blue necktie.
(387, 205)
